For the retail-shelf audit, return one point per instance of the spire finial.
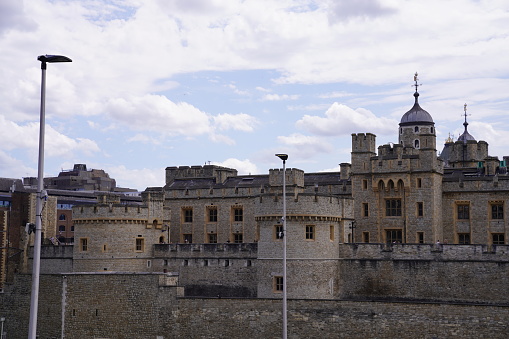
(416, 79)
(465, 115)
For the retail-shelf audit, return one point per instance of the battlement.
(433, 252)
(294, 177)
(363, 142)
(207, 171)
(228, 250)
(116, 211)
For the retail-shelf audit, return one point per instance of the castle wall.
(212, 270)
(150, 306)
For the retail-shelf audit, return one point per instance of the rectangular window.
(365, 237)
(278, 284)
(331, 232)
(419, 182)
(188, 214)
(394, 236)
(212, 238)
(212, 214)
(310, 232)
(188, 238)
(140, 244)
(237, 238)
(498, 238)
(364, 184)
(464, 238)
(365, 209)
(278, 232)
(238, 214)
(463, 212)
(420, 209)
(497, 211)
(84, 244)
(61, 228)
(420, 237)
(393, 207)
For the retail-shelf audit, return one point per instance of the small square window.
(463, 212)
(212, 238)
(497, 211)
(140, 244)
(212, 214)
(365, 237)
(84, 244)
(238, 214)
(310, 232)
(278, 284)
(464, 238)
(420, 209)
(278, 232)
(238, 238)
(498, 238)
(188, 214)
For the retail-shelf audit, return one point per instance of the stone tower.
(397, 192)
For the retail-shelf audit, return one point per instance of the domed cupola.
(416, 115)
(416, 128)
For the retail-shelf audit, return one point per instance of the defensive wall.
(147, 305)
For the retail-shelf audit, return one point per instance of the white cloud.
(305, 146)
(26, 137)
(278, 97)
(242, 166)
(137, 178)
(240, 122)
(340, 119)
(157, 113)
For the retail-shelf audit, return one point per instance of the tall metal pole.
(36, 268)
(284, 157)
(285, 319)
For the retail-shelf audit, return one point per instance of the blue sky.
(159, 83)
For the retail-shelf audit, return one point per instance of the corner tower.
(417, 129)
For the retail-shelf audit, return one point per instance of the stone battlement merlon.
(434, 252)
(220, 250)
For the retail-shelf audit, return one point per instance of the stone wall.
(150, 306)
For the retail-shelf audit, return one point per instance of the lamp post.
(284, 157)
(2, 319)
(34, 298)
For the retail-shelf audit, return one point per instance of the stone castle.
(401, 242)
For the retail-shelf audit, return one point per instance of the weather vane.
(416, 79)
(465, 112)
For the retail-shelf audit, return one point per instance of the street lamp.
(34, 298)
(2, 319)
(284, 157)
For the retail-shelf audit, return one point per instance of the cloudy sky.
(157, 83)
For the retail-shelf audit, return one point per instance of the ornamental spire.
(416, 79)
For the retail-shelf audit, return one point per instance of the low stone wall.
(134, 305)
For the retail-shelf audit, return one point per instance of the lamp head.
(53, 58)
(283, 157)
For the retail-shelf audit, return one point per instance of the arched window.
(416, 144)
(416, 129)
(61, 217)
(390, 184)
(431, 130)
